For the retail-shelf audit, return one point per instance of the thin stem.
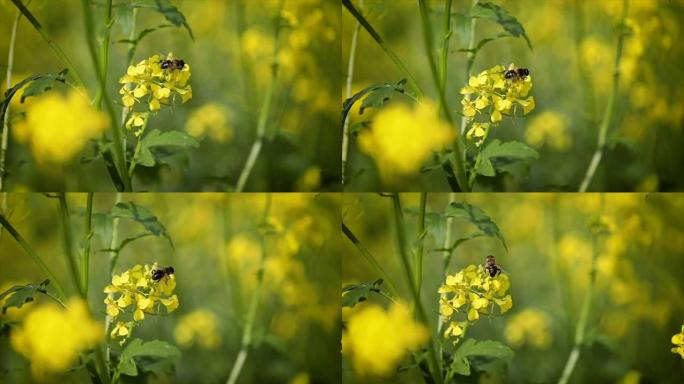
(68, 242)
(85, 255)
(113, 256)
(446, 255)
(418, 256)
(433, 363)
(470, 59)
(5, 122)
(51, 43)
(117, 135)
(104, 52)
(444, 53)
(251, 312)
(582, 321)
(138, 147)
(388, 51)
(37, 259)
(610, 107)
(265, 109)
(350, 76)
(370, 259)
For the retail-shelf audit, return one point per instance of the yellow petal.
(138, 315)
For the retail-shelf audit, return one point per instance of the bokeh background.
(637, 303)
(303, 125)
(574, 45)
(216, 256)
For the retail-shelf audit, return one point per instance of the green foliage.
(157, 138)
(500, 15)
(355, 293)
(489, 349)
(145, 356)
(166, 9)
(35, 85)
(132, 211)
(512, 150)
(19, 295)
(377, 96)
(478, 217)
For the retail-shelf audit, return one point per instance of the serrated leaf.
(512, 149)
(470, 348)
(356, 293)
(132, 211)
(35, 85)
(157, 138)
(19, 295)
(349, 103)
(500, 15)
(168, 10)
(155, 349)
(379, 96)
(476, 216)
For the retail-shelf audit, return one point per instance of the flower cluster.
(474, 292)
(58, 127)
(138, 293)
(678, 340)
(52, 337)
(493, 92)
(149, 82)
(377, 340)
(402, 139)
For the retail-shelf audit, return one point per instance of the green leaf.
(132, 211)
(385, 92)
(513, 150)
(461, 240)
(496, 13)
(127, 241)
(35, 85)
(355, 293)
(478, 217)
(168, 10)
(137, 349)
(19, 295)
(157, 138)
(489, 349)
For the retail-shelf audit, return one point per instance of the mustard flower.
(52, 337)
(136, 292)
(472, 292)
(148, 81)
(678, 340)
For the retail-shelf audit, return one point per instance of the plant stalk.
(418, 256)
(371, 260)
(265, 109)
(350, 76)
(447, 254)
(68, 244)
(5, 121)
(610, 107)
(85, 255)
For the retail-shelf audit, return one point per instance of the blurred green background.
(216, 257)
(302, 125)
(571, 66)
(637, 303)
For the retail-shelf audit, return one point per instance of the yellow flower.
(137, 288)
(58, 127)
(678, 341)
(201, 327)
(550, 128)
(402, 139)
(478, 133)
(530, 326)
(52, 337)
(376, 340)
(310, 180)
(157, 86)
(472, 291)
(212, 120)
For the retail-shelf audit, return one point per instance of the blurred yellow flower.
(199, 326)
(212, 120)
(530, 326)
(376, 340)
(256, 44)
(137, 286)
(402, 139)
(472, 291)
(678, 341)
(157, 86)
(57, 127)
(302, 378)
(310, 180)
(52, 337)
(549, 127)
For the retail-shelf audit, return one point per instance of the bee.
(491, 267)
(158, 274)
(513, 73)
(172, 64)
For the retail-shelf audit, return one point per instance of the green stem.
(253, 305)
(446, 255)
(113, 257)
(29, 251)
(68, 242)
(88, 233)
(370, 259)
(5, 121)
(350, 76)
(388, 51)
(444, 53)
(117, 135)
(418, 256)
(433, 362)
(265, 109)
(582, 321)
(138, 146)
(470, 60)
(104, 52)
(610, 107)
(51, 43)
